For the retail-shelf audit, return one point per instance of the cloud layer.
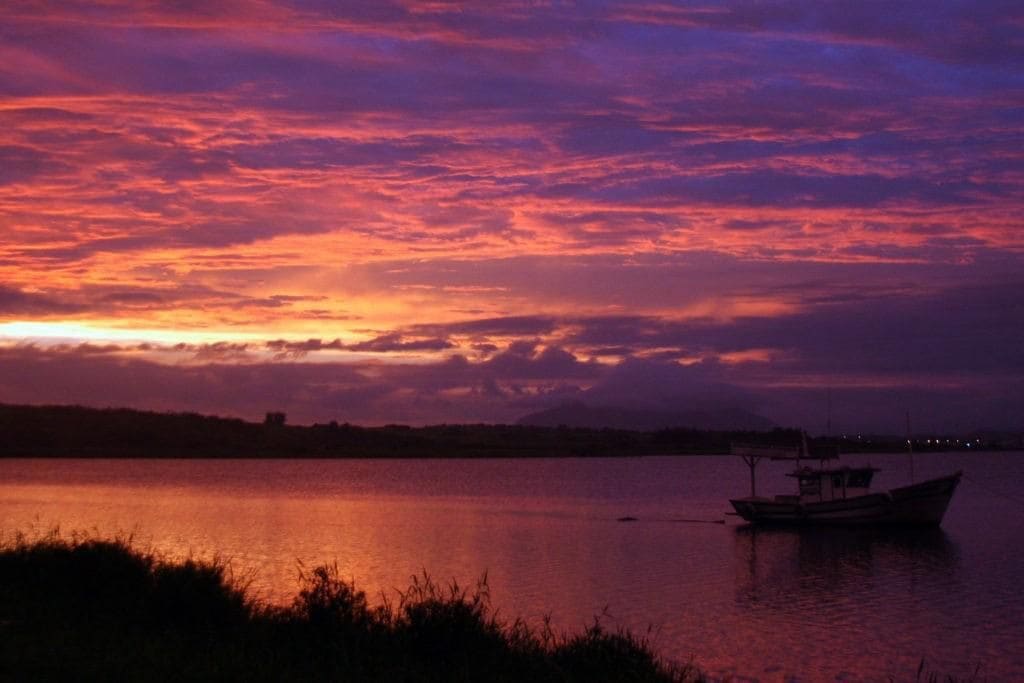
(528, 199)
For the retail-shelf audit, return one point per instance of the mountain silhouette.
(579, 414)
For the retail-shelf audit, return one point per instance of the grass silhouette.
(100, 609)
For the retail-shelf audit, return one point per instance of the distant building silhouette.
(275, 419)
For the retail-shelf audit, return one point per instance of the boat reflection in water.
(829, 601)
(792, 568)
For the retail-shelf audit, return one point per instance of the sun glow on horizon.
(63, 332)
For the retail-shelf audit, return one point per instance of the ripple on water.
(771, 605)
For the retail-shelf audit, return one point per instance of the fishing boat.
(841, 495)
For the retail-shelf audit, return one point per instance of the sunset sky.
(426, 212)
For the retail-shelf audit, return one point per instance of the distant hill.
(580, 415)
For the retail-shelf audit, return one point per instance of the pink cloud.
(403, 178)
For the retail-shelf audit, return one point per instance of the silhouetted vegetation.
(89, 609)
(74, 431)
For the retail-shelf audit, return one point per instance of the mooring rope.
(662, 519)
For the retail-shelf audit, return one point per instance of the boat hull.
(922, 504)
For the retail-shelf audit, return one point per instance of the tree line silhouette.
(76, 431)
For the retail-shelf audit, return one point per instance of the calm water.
(770, 605)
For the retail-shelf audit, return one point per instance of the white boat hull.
(919, 504)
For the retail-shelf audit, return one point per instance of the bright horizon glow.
(80, 332)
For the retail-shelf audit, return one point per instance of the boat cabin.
(819, 485)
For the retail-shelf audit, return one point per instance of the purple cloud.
(16, 302)
(395, 342)
(771, 192)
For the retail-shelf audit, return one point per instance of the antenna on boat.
(910, 449)
(828, 416)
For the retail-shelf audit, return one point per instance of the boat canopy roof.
(780, 452)
(822, 472)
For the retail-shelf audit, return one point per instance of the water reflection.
(775, 604)
(794, 568)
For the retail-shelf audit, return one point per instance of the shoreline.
(79, 432)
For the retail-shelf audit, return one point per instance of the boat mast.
(828, 417)
(751, 455)
(910, 449)
(752, 461)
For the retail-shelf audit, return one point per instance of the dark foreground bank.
(103, 610)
